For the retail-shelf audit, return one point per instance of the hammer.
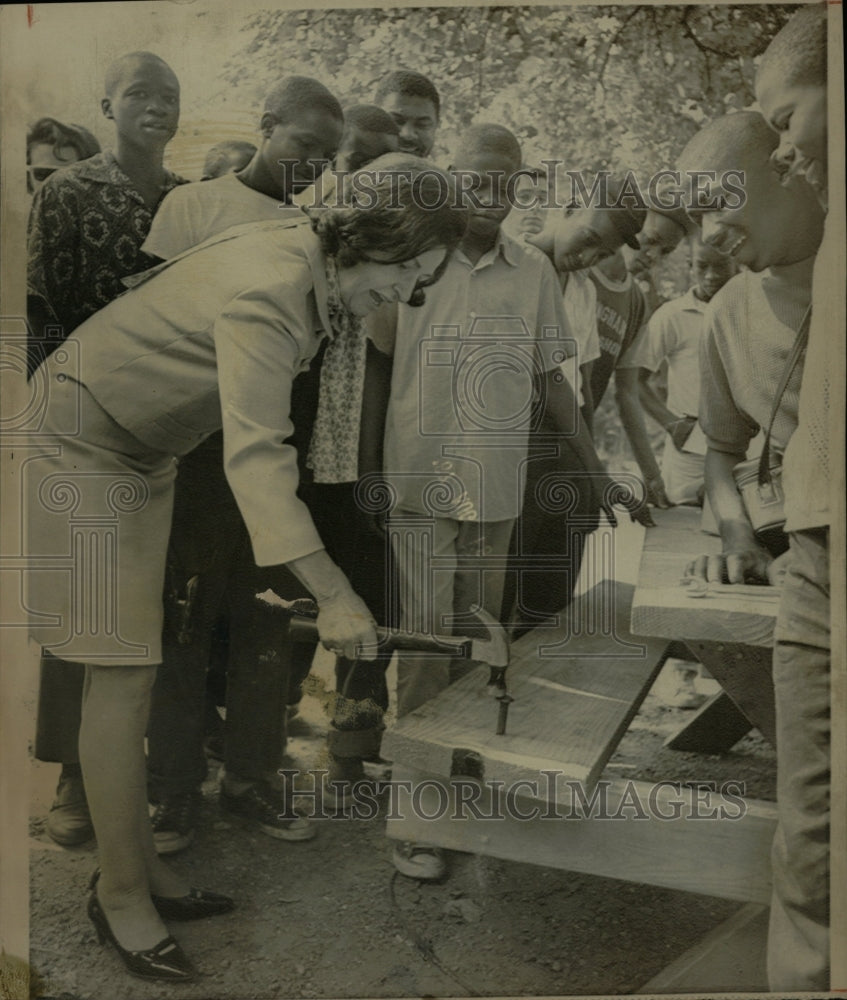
(492, 650)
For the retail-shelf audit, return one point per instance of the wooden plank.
(723, 857)
(730, 959)
(714, 728)
(576, 689)
(663, 607)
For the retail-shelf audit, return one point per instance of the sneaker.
(270, 810)
(69, 821)
(174, 820)
(427, 864)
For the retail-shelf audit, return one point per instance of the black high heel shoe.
(166, 960)
(196, 904)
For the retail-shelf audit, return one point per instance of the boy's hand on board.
(741, 565)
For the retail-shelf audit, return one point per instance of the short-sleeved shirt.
(466, 366)
(805, 469)
(620, 311)
(750, 329)
(673, 334)
(86, 227)
(191, 214)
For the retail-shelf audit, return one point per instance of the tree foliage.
(600, 87)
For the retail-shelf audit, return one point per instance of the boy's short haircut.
(218, 157)
(731, 139)
(798, 51)
(51, 132)
(409, 84)
(115, 72)
(297, 94)
(490, 138)
(370, 118)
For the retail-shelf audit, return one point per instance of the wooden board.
(576, 689)
(662, 607)
(730, 959)
(724, 857)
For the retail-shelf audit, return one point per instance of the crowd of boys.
(511, 353)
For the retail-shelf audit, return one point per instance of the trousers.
(798, 936)
(210, 572)
(440, 576)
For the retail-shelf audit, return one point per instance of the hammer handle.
(306, 628)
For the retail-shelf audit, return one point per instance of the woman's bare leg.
(116, 703)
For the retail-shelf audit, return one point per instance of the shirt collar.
(692, 304)
(504, 246)
(103, 168)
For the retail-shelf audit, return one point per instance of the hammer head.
(489, 643)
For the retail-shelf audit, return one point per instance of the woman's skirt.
(97, 509)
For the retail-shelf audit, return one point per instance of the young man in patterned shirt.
(86, 227)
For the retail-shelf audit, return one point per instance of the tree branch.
(632, 14)
(705, 49)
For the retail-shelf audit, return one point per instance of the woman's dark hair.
(58, 135)
(398, 206)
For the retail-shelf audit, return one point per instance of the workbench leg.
(729, 959)
(746, 674)
(714, 728)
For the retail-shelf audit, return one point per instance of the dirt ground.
(329, 918)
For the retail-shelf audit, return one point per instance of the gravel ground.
(329, 918)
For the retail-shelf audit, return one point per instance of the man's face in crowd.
(417, 120)
(309, 139)
(527, 218)
(144, 104)
(359, 146)
(797, 112)
(777, 224)
(494, 171)
(659, 236)
(586, 237)
(710, 270)
(44, 160)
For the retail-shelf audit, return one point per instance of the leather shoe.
(166, 960)
(69, 821)
(195, 905)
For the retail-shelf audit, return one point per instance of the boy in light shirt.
(791, 87)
